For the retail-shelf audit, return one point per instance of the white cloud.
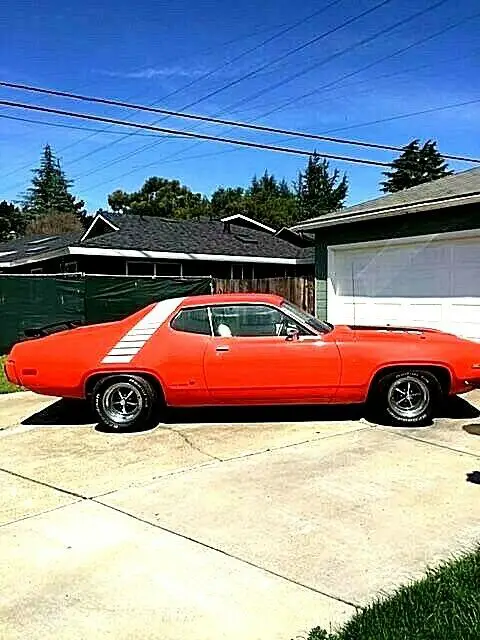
(150, 73)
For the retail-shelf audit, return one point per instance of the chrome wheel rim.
(122, 402)
(408, 397)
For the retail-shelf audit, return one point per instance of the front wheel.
(124, 402)
(406, 398)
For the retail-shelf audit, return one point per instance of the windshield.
(306, 318)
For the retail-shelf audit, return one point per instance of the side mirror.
(292, 333)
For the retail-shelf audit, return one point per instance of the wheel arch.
(440, 371)
(91, 380)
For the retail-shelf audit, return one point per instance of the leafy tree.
(416, 165)
(12, 221)
(228, 202)
(160, 197)
(49, 193)
(318, 190)
(270, 201)
(54, 223)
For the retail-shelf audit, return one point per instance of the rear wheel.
(406, 398)
(125, 402)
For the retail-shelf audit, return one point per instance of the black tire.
(125, 402)
(405, 398)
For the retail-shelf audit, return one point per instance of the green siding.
(404, 226)
(321, 271)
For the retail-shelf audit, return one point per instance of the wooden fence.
(300, 290)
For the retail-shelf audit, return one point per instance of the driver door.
(251, 359)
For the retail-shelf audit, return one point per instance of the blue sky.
(149, 51)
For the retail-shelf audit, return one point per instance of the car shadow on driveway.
(68, 412)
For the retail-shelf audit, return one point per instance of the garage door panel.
(431, 284)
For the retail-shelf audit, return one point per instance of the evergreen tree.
(318, 190)
(416, 165)
(12, 221)
(49, 193)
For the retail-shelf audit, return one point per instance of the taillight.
(11, 372)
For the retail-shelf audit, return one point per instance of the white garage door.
(427, 282)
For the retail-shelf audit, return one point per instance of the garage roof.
(460, 188)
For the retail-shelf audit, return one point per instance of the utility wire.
(408, 115)
(242, 78)
(283, 31)
(329, 85)
(209, 119)
(389, 56)
(186, 134)
(356, 45)
(323, 61)
(62, 125)
(222, 66)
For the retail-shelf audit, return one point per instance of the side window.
(251, 321)
(192, 321)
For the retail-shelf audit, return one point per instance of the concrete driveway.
(224, 524)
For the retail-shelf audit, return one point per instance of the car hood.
(391, 333)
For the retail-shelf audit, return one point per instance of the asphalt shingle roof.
(38, 244)
(192, 236)
(428, 195)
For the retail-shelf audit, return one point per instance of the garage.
(430, 281)
(407, 258)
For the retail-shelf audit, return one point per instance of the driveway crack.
(231, 555)
(192, 445)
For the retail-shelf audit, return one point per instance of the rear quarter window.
(192, 321)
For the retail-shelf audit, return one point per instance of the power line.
(349, 49)
(203, 76)
(187, 134)
(224, 65)
(351, 74)
(62, 125)
(363, 42)
(408, 115)
(389, 56)
(209, 119)
(329, 85)
(239, 80)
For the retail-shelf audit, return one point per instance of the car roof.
(232, 298)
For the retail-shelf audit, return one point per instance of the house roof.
(455, 190)
(45, 245)
(161, 238)
(213, 238)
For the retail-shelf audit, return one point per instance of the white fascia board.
(318, 223)
(168, 255)
(94, 222)
(240, 216)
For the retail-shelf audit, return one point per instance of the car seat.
(224, 331)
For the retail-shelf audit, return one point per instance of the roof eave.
(373, 214)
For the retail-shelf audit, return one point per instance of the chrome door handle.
(222, 348)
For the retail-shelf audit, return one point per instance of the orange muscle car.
(244, 349)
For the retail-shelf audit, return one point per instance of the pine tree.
(49, 193)
(416, 165)
(318, 190)
(12, 221)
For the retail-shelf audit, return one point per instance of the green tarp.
(29, 302)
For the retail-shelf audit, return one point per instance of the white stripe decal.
(136, 338)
